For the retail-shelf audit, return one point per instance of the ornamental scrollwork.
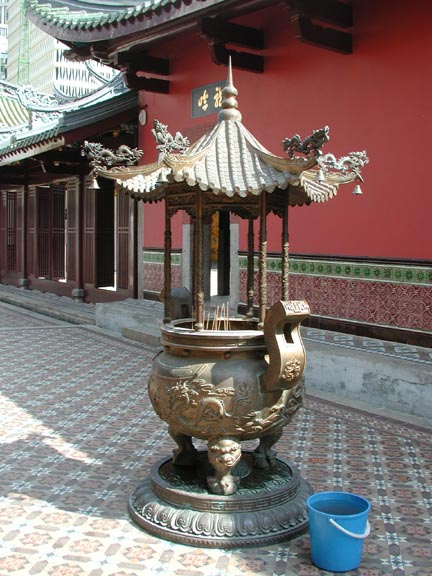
(309, 146)
(349, 165)
(100, 157)
(291, 370)
(166, 142)
(32, 100)
(296, 306)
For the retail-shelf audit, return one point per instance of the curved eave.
(230, 161)
(84, 22)
(227, 161)
(12, 113)
(29, 148)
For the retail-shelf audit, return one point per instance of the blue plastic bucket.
(338, 523)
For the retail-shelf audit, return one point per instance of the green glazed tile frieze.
(158, 258)
(354, 270)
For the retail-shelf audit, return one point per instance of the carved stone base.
(268, 507)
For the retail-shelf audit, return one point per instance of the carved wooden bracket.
(222, 31)
(332, 12)
(219, 33)
(157, 85)
(135, 64)
(142, 62)
(305, 13)
(329, 38)
(242, 60)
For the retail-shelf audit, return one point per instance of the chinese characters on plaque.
(207, 99)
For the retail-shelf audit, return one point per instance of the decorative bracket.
(135, 82)
(222, 31)
(333, 12)
(242, 60)
(133, 65)
(219, 33)
(329, 38)
(142, 62)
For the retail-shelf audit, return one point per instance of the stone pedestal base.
(174, 504)
(78, 294)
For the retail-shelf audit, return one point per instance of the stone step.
(138, 320)
(148, 335)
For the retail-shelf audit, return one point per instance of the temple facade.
(363, 261)
(58, 233)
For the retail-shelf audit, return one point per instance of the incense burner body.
(229, 385)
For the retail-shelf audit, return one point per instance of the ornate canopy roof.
(98, 18)
(121, 34)
(12, 113)
(229, 162)
(32, 123)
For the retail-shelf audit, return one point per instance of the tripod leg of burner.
(264, 456)
(186, 453)
(223, 455)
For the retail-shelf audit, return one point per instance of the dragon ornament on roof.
(323, 182)
(230, 162)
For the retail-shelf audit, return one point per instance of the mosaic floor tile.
(77, 435)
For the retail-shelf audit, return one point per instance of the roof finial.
(229, 101)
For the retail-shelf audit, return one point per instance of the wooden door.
(58, 231)
(104, 239)
(223, 278)
(3, 220)
(123, 242)
(43, 219)
(50, 217)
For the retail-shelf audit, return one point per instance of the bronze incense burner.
(222, 378)
(226, 386)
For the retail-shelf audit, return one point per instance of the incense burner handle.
(284, 345)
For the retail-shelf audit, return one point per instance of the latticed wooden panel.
(58, 230)
(72, 230)
(123, 241)
(11, 236)
(43, 217)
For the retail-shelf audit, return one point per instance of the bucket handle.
(352, 534)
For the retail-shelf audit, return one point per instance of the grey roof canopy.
(229, 162)
(32, 123)
(103, 20)
(120, 34)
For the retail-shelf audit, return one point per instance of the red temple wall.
(377, 98)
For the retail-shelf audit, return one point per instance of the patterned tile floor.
(78, 434)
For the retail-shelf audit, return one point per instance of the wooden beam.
(243, 60)
(157, 85)
(64, 156)
(220, 31)
(62, 169)
(142, 62)
(329, 38)
(331, 11)
(40, 177)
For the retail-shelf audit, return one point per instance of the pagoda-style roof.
(12, 113)
(121, 33)
(71, 20)
(32, 123)
(230, 163)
